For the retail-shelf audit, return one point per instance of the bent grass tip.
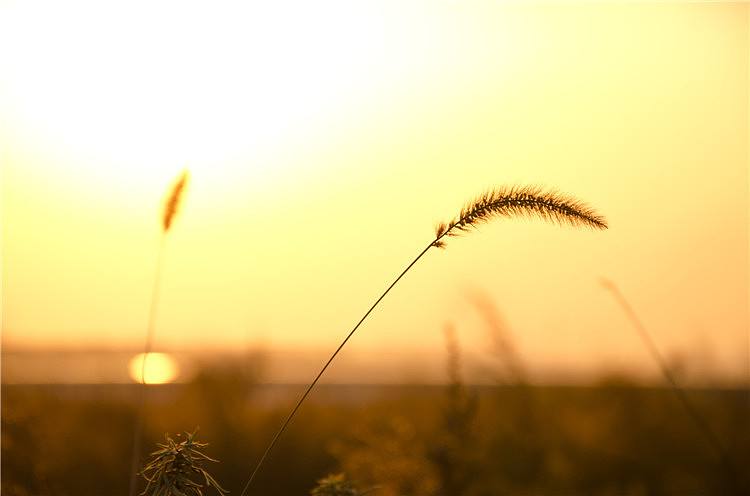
(514, 201)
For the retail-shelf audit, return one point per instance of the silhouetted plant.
(501, 202)
(518, 201)
(175, 469)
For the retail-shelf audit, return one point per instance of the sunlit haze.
(326, 140)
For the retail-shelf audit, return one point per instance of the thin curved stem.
(500, 202)
(150, 331)
(325, 367)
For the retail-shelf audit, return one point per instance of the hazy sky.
(325, 141)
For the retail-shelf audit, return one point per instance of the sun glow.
(167, 82)
(161, 368)
(323, 139)
(119, 99)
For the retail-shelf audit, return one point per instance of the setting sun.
(161, 368)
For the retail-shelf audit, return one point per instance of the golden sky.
(324, 142)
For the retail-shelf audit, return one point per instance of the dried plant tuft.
(174, 467)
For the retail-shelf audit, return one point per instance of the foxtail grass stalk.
(501, 202)
(700, 422)
(170, 210)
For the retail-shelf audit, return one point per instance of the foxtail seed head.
(519, 201)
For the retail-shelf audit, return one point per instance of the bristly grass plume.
(501, 202)
(519, 201)
(171, 206)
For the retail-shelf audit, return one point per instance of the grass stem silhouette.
(168, 215)
(501, 202)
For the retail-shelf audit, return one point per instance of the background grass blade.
(171, 207)
(698, 419)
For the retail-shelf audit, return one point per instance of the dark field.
(613, 438)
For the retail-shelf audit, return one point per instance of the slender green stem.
(150, 331)
(325, 367)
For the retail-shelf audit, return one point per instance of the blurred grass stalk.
(169, 212)
(698, 419)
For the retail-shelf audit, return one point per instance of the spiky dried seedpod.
(512, 201)
(176, 468)
(173, 200)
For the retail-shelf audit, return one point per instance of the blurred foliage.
(613, 438)
(335, 485)
(388, 452)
